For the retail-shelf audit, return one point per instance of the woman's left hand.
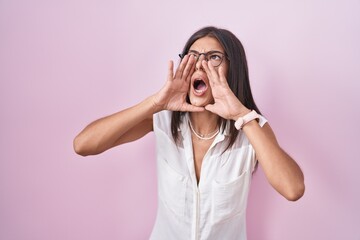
(281, 170)
(226, 104)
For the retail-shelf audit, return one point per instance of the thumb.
(190, 108)
(210, 107)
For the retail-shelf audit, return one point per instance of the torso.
(212, 208)
(200, 147)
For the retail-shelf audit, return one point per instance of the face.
(200, 90)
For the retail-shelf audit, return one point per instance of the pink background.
(66, 63)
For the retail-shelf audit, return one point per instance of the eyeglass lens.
(214, 57)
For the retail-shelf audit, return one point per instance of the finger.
(181, 67)
(205, 66)
(192, 70)
(210, 107)
(170, 70)
(222, 75)
(191, 108)
(209, 73)
(213, 72)
(188, 67)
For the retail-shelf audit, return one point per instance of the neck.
(204, 122)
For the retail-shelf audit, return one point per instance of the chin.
(201, 101)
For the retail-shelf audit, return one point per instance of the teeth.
(200, 91)
(199, 86)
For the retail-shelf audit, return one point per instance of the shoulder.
(162, 119)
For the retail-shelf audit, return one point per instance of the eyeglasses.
(214, 57)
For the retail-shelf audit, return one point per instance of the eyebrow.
(212, 51)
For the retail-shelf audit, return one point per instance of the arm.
(135, 122)
(280, 169)
(124, 126)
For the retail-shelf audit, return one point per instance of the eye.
(215, 57)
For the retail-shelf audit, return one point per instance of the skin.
(205, 121)
(133, 123)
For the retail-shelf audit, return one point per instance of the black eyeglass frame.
(206, 54)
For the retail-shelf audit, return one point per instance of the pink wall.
(65, 63)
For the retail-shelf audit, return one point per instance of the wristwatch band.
(239, 124)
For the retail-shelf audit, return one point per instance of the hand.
(226, 104)
(173, 95)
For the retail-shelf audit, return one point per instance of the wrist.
(243, 120)
(241, 113)
(155, 106)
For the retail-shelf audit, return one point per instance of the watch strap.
(239, 124)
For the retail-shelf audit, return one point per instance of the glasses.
(214, 57)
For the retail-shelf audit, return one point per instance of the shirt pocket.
(172, 188)
(229, 198)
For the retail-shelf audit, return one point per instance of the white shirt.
(213, 209)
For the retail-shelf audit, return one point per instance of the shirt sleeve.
(262, 121)
(162, 121)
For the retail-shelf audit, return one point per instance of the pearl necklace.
(203, 136)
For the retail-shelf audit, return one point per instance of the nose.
(198, 65)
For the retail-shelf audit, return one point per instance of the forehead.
(206, 44)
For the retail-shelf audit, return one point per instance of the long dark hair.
(237, 76)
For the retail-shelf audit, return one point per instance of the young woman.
(210, 136)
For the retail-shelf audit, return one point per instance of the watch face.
(239, 123)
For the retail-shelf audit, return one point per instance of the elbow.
(295, 193)
(80, 147)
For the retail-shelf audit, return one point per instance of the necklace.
(203, 136)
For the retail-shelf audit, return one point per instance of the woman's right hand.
(173, 95)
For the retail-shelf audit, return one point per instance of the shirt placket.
(195, 233)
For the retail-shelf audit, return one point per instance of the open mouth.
(199, 86)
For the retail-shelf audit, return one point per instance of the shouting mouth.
(200, 87)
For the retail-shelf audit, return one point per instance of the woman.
(210, 136)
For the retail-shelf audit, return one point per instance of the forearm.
(106, 132)
(281, 170)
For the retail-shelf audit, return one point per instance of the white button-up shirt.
(214, 208)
